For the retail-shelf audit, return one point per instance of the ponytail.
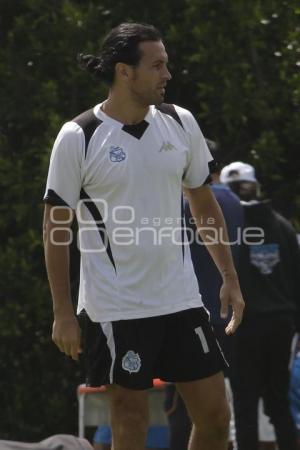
(91, 64)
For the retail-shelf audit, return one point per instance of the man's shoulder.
(88, 122)
(86, 118)
(179, 114)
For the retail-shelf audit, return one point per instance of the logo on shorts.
(116, 154)
(131, 362)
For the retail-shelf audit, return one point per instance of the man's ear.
(123, 71)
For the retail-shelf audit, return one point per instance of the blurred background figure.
(55, 442)
(269, 273)
(294, 393)
(209, 282)
(209, 279)
(157, 438)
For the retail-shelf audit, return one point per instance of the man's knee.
(215, 422)
(222, 419)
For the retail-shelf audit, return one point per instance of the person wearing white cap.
(269, 273)
(241, 178)
(238, 171)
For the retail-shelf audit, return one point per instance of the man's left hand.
(230, 294)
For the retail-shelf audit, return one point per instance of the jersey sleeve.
(197, 170)
(66, 167)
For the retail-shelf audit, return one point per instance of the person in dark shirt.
(209, 282)
(269, 274)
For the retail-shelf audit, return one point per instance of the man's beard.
(145, 99)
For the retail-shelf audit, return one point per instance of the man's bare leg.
(208, 408)
(129, 414)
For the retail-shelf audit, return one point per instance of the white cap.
(237, 171)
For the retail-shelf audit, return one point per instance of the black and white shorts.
(176, 347)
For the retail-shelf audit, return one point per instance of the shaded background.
(235, 65)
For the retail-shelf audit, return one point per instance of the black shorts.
(176, 347)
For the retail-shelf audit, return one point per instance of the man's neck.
(123, 109)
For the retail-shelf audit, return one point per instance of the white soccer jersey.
(125, 183)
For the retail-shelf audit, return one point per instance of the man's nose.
(167, 75)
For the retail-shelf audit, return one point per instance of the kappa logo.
(131, 362)
(166, 147)
(116, 154)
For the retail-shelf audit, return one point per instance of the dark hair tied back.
(121, 45)
(90, 63)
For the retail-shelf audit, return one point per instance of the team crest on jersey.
(131, 362)
(116, 154)
(265, 257)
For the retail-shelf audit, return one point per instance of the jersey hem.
(123, 315)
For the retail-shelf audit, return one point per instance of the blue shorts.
(157, 437)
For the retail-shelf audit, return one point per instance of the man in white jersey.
(121, 166)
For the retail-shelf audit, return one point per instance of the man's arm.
(66, 331)
(212, 229)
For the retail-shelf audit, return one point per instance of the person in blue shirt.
(209, 282)
(209, 279)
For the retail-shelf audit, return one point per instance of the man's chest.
(115, 158)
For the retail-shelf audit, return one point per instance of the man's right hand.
(66, 334)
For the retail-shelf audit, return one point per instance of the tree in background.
(235, 64)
